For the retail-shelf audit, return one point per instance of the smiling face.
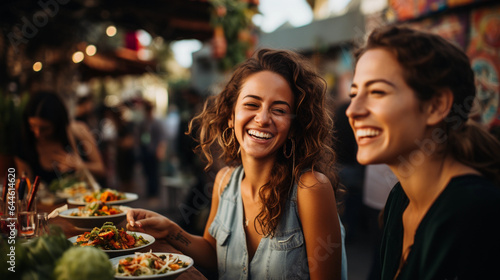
(262, 114)
(384, 112)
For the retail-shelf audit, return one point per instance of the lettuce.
(83, 263)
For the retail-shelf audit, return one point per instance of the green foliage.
(237, 17)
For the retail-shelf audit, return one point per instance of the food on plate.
(75, 189)
(108, 237)
(149, 264)
(96, 208)
(105, 195)
(69, 185)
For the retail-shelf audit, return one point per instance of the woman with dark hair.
(274, 212)
(48, 141)
(411, 95)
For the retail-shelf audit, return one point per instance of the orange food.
(108, 237)
(107, 234)
(104, 196)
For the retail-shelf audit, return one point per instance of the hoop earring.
(292, 150)
(227, 144)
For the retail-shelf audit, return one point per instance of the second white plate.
(128, 198)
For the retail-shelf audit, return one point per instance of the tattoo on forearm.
(179, 237)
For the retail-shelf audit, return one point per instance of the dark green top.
(458, 238)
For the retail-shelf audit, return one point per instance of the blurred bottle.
(42, 227)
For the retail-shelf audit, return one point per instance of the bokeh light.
(111, 31)
(37, 66)
(91, 50)
(78, 57)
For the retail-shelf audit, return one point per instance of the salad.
(149, 264)
(96, 208)
(105, 195)
(108, 237)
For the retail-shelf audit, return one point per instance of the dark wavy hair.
(311, 129)
(49, 107)
(431, 64)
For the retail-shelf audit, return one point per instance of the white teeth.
(367, 132)
(260, 134)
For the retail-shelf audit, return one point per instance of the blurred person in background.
(153, 147)
(411, 96)
(196, 206)
(84, 111)
(274, 210)
(51, 145)
(124, 143)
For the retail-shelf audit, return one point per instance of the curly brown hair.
(311, 128)
(431, 64)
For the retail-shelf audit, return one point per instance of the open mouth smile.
(259, 134)
(362, 133)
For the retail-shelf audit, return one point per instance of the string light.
(78, 57)
(111, 31)
(90, 50)
(37, 66)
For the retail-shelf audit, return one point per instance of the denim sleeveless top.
(281, 257)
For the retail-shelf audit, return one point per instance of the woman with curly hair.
(411, 96)
(274, 212)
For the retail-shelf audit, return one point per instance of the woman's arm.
(201, 249)
(318, 214)
(95, 163)
(159, 226)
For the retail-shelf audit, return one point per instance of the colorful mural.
(453, 27)
(477, 31)
(484, 52)
(401, 10)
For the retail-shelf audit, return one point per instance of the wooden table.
(160, 245)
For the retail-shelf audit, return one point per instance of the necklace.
(246, 222)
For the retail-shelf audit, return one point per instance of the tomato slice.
(114, 244)
(130, 240)
(82, 237)
(106, 234)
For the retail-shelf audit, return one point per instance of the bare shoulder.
(314, 180)
(222, 179)
(79, 128)
(78, 125)
(314, 188)
(315, 196)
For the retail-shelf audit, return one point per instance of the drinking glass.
(26, 219)
(8, 226)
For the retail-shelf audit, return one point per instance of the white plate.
(128, 198)
(88, 223)
(148, 237)
(168, 275)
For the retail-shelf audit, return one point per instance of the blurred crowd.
(135, 140)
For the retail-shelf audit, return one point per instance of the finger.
(130, 218)
(134, 228)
